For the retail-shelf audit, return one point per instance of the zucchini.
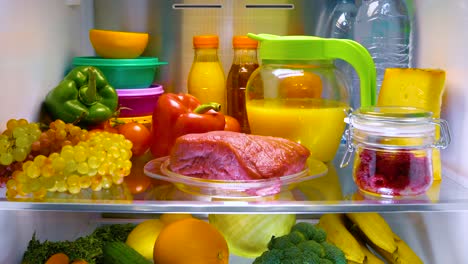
(121, 253)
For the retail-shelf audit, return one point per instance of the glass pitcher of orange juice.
(298, 93)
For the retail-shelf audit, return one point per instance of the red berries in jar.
(393, 172)
(393, 148)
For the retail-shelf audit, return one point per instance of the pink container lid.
(153, 89)
(140, 101)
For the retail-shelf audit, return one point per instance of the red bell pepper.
(179, 114)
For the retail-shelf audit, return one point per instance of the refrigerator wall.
(39, 39)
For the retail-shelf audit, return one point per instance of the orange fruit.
(58, 258)
(305, 85)
(171, 218)
(190, 241)
(80, 261)
(117, 44)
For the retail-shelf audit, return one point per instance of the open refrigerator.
(40, 38)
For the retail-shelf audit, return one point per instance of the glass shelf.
(334, 192)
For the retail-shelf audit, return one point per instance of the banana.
(337, 234)
(403, 255)
(375, 230)
(370, 257)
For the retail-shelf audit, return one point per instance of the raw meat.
(224, 155)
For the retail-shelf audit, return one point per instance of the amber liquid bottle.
(244, 63)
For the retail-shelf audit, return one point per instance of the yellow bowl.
(118, 44)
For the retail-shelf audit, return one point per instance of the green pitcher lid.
(309, 48)
(274, 47)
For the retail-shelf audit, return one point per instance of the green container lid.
(124, 73)
(310, 48)
(98, 61)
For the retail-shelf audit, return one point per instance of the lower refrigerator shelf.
(334, 192)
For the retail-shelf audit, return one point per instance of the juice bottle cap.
(244, 42)
(206, 41)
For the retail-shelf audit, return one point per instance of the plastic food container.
(231, 189)
(138, 102)
(393, 148)
(124, 73)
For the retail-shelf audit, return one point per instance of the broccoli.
(273, 256)
(304, 245)
(292, 253)
(296, 237)
(325, 261)
(310, 257)
(291, 261)
(333, 253)
(281, 242)
(310, 231)
(312, 246)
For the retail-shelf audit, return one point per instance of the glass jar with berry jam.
(393, 149)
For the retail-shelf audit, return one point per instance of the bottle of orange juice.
(206, 78)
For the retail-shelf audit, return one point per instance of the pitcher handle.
(358, 56)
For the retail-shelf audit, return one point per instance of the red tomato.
(138, 134)
(104, 126)
(231, 124)
(137, 182)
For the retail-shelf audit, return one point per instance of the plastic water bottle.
(383, 27)
(341, 21)
(341, 26)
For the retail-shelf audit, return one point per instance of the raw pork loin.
(224, 155)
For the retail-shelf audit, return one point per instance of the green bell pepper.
(84, 96)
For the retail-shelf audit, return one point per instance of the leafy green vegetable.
(89, 248)
(247, 235)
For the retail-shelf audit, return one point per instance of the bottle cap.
(206, 41)
(244, 42)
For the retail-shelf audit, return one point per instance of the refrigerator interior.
(39, 39)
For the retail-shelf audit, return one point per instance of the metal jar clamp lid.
(395, 123)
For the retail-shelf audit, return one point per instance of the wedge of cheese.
(421, 88)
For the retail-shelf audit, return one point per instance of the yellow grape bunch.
(58, 135)
(98, 162)
(23, 141)
(16, 141)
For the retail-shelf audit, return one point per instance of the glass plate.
(159, 169)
